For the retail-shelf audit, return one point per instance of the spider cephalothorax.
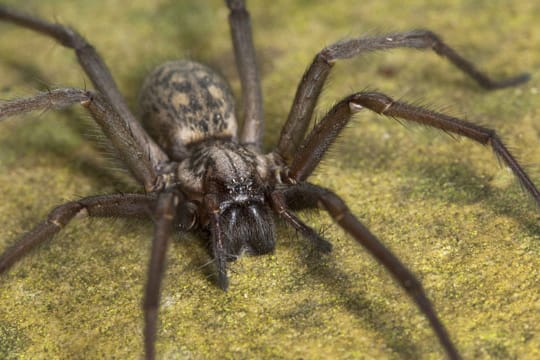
(234, 190)
(188, 109)
(198, 173)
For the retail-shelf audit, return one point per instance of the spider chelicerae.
(199, 175)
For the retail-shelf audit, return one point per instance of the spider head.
(245, 219)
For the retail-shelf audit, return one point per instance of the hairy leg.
(326, 131)
(133, 152)
(121, 205)
(218, 248)
(279, 203)
(99, 74)
(247, 68)
(313, 196)
(164, 220)
(315, 76)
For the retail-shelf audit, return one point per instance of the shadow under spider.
(440, 177)
(328, 271)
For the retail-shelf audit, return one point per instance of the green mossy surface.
(444, 206)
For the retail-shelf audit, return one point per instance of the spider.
(200, 175)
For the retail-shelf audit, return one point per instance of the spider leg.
(164, 220)
(315, 76)
(117, 205)
(341, 214)
(99, 74)
(133, 152)
(326, 131)
(55, 99)
(279, 202)
(244, 51)
(220, 256)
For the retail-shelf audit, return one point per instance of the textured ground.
(445, 206)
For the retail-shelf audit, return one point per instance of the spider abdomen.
(184, 102)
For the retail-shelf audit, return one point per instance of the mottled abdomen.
(184, 102)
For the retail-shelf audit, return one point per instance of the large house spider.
(198, 176)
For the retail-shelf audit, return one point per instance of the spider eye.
(240, 187)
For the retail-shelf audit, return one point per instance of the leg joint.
(325, 56)
(62, 214)
(377, 102)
